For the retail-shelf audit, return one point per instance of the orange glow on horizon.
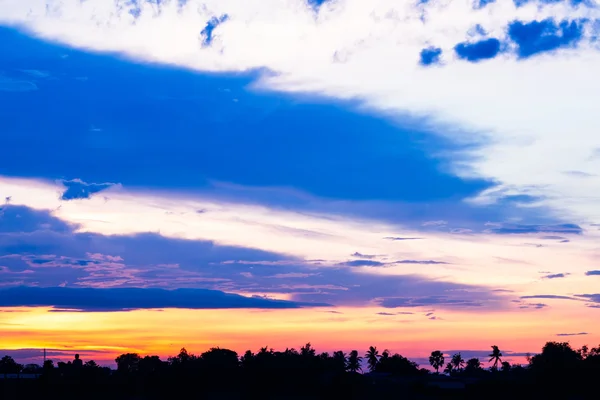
(104, 335)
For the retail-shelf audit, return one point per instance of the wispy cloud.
(555, 276)
(572, 334)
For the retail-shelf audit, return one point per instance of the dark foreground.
(558, 372)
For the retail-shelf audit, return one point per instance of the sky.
(416, 175)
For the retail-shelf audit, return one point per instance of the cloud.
(396, 302)
(422, 262)
(385, 313)
(362, 263)
(536, 306)
(477, 51)
(365, 256)
(65, 257)
(126, 299)
(572, 334)
(593, 273)
(547, 35)
(552, 237)
(430, 56)
(397, 238)
(77, 189)
(555, 276)
(497, 135)
(579, 174)
(549, 296)
(513, 229)
(594, 298)
(211, 25)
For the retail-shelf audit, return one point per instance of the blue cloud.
(430, 56)
(477, 51)
(572, 334)
(477, 30)
(211, 25)
(168, 137)
(23, 219)
(593, 273)
(555, 276)
(479, 4)
(544, 36)
(526, 229)
(364, 256)
(362, 263)
(77, 189)
(575, 3)
(316, 3)
(125, 299)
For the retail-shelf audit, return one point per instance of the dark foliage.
(559, 370)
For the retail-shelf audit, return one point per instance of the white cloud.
(539, 115)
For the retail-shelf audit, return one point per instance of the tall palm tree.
(496, 356)
(457, 362)
(354, 362)
(436, 360)
(372, 356)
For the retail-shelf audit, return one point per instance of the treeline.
(304, 373)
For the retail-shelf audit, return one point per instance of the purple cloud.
(51, 253)
(555, 276)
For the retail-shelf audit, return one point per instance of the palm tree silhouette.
(354, 362)
(457, 362)
(372, 356)
(449, 368)
(339, 359)
(496, 356)
(436, 360)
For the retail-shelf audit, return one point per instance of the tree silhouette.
(307, 350)
(372, 356)
(495, 356)
(473, 366)
(127, 363)
(449, 368)
(457, 362)
(9, 366)
(436, 359)
(217, 358)
(354, 362)
(339, 360)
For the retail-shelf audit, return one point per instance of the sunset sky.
(410, 174)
